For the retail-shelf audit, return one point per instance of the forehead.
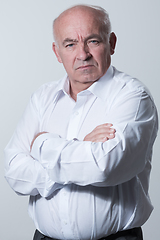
(77, 23)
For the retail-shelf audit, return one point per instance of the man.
(83, 148)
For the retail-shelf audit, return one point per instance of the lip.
(85, 67)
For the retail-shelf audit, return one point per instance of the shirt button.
(76, 113)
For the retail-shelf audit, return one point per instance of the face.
(81, 49)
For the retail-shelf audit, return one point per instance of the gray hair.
(102, 16)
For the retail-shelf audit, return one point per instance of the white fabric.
(79, 189)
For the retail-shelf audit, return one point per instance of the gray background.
(27, 61)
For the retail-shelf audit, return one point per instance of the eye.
(94, 41)
(69, 45)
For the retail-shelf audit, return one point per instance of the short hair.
(102, 16)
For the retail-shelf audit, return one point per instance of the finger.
(103, 126)
(105, 139)
(111, 136)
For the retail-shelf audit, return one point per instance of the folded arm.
(54, 161)
(104, 163)
(26, 175)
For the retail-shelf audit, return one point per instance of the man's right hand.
(101, 133)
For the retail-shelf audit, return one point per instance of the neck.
(73, 95)
(77, 88)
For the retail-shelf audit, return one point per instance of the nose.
(83, 53)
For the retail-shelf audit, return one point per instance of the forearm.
(83, 163)
(24, 174)
(103, 163)
(27, 176)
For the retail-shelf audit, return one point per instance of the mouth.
(84, 67)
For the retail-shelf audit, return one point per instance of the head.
(84, 44)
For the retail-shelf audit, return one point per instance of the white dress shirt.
(81, 189)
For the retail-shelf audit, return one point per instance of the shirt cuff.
(38, 143)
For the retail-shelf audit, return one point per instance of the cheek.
(101, 59)
(68, 63)
(105, 54)
(100, 54)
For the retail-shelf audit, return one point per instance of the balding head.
(84, 44)
(99, 14)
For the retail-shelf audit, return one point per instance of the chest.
(71, 119)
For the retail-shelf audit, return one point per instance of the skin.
(80, 47)
(85, 55)
(101, 133)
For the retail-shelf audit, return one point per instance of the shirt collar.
(98, 88)
(63, 85)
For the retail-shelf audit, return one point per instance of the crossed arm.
(58, 161)
(101, 133)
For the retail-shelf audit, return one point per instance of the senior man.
(83, 147)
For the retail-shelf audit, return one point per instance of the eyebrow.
(94, 35)
(69, 40)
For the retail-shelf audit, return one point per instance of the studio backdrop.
(27, 61)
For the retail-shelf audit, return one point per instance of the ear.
(56, 51)
(112, 42)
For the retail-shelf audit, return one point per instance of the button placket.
(75, 118)
(64, 213)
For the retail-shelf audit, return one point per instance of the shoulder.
(128, 83)
(48, 90)
(46, 94)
